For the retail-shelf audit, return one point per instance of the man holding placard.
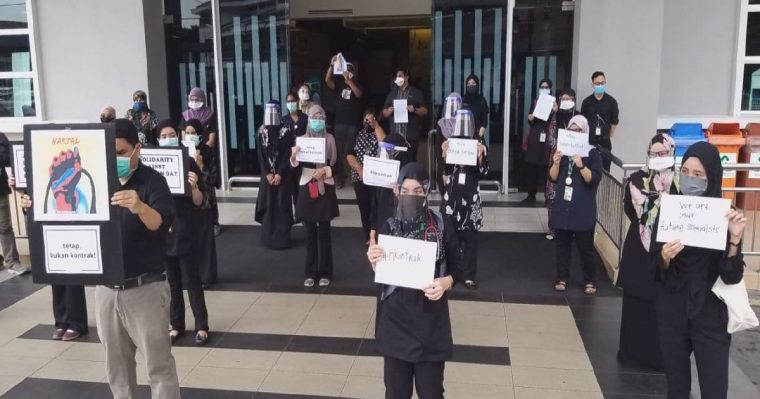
(704, 238)
(405, 107)
(466, 161)
(413, 328)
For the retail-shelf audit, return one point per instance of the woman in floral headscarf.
(639, 343)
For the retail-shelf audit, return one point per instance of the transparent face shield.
(451, 106)
(464, 126)
(271, 115)
(389, 151)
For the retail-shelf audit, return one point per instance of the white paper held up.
(400, 111)
(312, 149)
(571, 143)
(462, 152)
(380, 172)
(696, 221)
(544, 106)
(407, 262)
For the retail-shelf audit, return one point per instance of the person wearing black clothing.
(383, 205)
(564, 114)
(205, 158)
(274, 204)
(690, 317)
(413, 328)
(317, 202)
(416, 109)
(639, 339)
(348, 103)
(574, 211)
(601, 112)
(365, 145)
(295, 121)
(182, 266)
(477, 104)
(461, 196)
(536, 149)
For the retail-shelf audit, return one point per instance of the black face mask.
(472, 89)
(411, 207)
(107, 119)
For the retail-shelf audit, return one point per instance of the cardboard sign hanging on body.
(407, 262)
(695, 221)
(74, 233)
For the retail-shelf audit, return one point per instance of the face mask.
(169, 142)
(567, 105)
(194, 138)
(689, 185)
(303, 95)
(472, 89)
(544, 91)
(411, 206)
(317, 125)
(598, 90)
(139, 106)
(123, 167)
(194, 105)
(399, 82)
(660, 163)
(292, 106)
(107, 119)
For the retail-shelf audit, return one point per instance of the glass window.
(751, 88)
(13, 14)
(16, 98)
(752, 47)
(14, 54)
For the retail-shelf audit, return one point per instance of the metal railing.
(612, 219)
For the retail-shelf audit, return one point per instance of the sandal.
(590, 289)
(560, 286)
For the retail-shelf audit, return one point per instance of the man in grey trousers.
(7, 237)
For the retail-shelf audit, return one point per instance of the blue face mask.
(317, 125)
(169, 142)
(139, 106)
(292, 106)
(599, 90)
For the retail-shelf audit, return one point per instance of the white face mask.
(544, 91)
(566, 104)
(399, 81)
(303, 95)
(195, 104)
(660, 163)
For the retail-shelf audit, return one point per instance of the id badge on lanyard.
(568, 195)
(542, 137)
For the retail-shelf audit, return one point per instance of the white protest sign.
(728, 158)
(407, 262)
(380, 172)
(544, 106)
(571, 143)
(462, 152)
(72, 249)
(696, 221)
(18, 167)
(754, 160)
(400, 111)
(191, 148)
(339, 66)
(170, 163)
(312, 149)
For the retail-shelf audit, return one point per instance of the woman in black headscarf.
(144, 119)
(639, 340)
(383, 204)
(536, 150)
(690, 317)
(477, 104)
(413, 328)
(274, 203)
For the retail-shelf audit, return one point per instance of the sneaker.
(18, 269)
(58, 334)
(309, 282)
(70, 335)
(324, 282)
(550, 236)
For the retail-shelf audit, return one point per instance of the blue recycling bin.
(686, 134)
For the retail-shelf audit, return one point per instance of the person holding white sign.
(412, 327)
(690, 316)
(639, 339)
(461, 196)
(364, 145)
(414, 112)
(574, 210)
(183, 244)
(317, 202)
(274, 203)
(536, 149)
(565, 112)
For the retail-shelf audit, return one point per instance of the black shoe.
(470, 284)
(200, 339)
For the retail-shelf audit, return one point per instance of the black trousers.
(364, 200)
(584, 241)
(606, 144)
(534, 175)
(468, 241)
(413, 146)
(344, 136)
(179, 268)
(399, 376)
(705, 335)
(319, 257)
(70, 307)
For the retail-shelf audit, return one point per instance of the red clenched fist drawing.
(65, 172)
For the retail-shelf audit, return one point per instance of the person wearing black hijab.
(274, 203)
(536, 150)
(383, 204)
(690, 317)
(413, 328)
(475, 102)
